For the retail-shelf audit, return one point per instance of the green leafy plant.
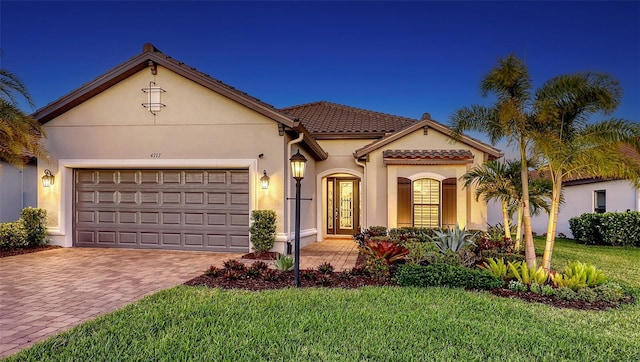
(325, 268)
(378, 269)
(497, 267)
(259, 265)
(388, 251)
(35, 222)
(263, 230)
(324, 280)
(453, 239)
(565, 293)
(420, 252)
(578, 275)
(517, 286)
(525, 275)
(284, 263)
(231, 274)
(13, 234)
(535, 288)
(610, 292)
(308, 274)
(447, 275)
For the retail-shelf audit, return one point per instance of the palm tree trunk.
(518, 245)
(529, 248)
(505, 217)
(553, 220)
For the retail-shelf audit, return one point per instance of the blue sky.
(403, 58)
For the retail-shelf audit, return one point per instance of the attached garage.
(206, 210)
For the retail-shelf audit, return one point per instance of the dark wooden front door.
(343, 200)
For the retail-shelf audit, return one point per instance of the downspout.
(363, 197)
(287, 192)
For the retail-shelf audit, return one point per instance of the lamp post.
(298, 163)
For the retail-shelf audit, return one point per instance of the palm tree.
(571, 146)
(511, 117)
(19, 133)
(492, 181)
(502, 181)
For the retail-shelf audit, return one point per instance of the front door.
(342, 206)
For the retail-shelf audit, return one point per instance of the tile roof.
(427, 156)
(326, 120)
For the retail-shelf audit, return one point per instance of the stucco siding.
(198, 128)
(17, 190)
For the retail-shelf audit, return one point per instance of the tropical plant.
(232, 264)
(19, 133)
(522, 273)
(571, 146)
(284, 263)
(388, 251)
(586, 272)
(453, 239)
(497, 267)
(325, 268)
(213, 271)
(511, 117)
(263, 230)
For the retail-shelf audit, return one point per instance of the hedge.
(610, 228)
(446, 275)
(29, 230)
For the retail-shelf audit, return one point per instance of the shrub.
(409, 232)
(364, 235)
(610, 292)
(517, 286)
(308, 274)
(500, 245)
(263, 230)
(586, 295)
(35, 222)
(565, 293)
(446, 275)
(260, 265)
(609, 228)
(378, 269)
(420, 252)
(13, 234)
(535, 288)
(578, 275)
(271, 275)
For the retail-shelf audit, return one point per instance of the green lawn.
(370, 324)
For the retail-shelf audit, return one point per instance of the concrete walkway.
(45, 293)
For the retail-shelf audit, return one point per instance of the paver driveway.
(44, 293)
(47, 292)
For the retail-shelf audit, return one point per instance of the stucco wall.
(17, 190)
(381, 179)
(198, 128)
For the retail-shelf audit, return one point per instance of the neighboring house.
(155, 154)
(17, 189)
(583, 195)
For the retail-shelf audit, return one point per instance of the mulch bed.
(265, 255)
(19, 251)
(359, 278)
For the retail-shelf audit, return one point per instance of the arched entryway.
(340, 208)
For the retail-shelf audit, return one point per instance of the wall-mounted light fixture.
(264, 180)
(48, 179)
(153, 100)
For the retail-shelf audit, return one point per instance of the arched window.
(426, 203)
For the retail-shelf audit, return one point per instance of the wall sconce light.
(264, 180)
(153, 97)
(48, 179)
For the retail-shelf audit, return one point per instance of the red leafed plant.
(385, 250)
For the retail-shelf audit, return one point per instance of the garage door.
(162, 209)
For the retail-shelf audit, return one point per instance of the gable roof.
(326, 120)
(493, 153)
(151, 57)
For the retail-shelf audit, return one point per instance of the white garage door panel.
(167, 209)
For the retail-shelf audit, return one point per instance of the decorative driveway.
(44, 293)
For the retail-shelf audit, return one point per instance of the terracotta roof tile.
(325, 119)
(428, 154)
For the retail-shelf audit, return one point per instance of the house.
(156, 154)
(17, 189)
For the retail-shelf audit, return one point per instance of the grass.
(392, 324)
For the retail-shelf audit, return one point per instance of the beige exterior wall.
(381, 196)
(198, 128)
(17, 190)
